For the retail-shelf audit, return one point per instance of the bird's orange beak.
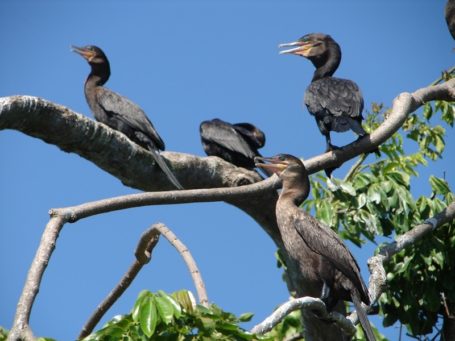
(274, 165)
(298, 47)
(86, 53)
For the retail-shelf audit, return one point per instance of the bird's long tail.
(164, 167)
(362, 314)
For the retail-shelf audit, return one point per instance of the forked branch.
(143, 254)
(134, 166)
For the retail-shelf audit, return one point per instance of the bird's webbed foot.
(330, 147)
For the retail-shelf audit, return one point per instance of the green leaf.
(427, 111)
(325, 212)
(185, 298)
(439, 186)
(373, 196)
(175, 306)
(165, 309)
(137, 305)
(348, 188)
(245, 317)
(148, 316)
(362, 200)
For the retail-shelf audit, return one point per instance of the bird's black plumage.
(236, 143)
(327, 266)
(336, 103)
(118, 112)
(450, 16)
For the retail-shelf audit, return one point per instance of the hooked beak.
(275, 165)
(87, 54)
(298, 48)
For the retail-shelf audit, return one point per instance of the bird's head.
(311, 46)
(93, 54)
(257, 135)
(286, 166)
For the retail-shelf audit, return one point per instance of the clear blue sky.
(184, 62)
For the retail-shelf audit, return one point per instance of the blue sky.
(184, 62)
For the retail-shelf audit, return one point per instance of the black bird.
(236, 143)
(329, 269)
(450, 16)
(336, 103)
(118, 112)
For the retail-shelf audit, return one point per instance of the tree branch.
(60, 216)
(189, 260)
(143, 254)
(311, 304)
(134, 166)
(376, 263)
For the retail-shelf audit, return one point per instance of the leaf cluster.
(375, 199)
(159, 316)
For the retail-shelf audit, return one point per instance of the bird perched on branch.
(236, 143)
(336, 103)
(118, 112)
(328, 267)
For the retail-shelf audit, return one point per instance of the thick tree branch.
(134, 166)
(143, 254)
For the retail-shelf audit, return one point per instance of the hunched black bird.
(236, 143)
(118, 112)
(336, 103)
(328, 267)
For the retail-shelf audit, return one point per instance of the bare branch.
(143, 253)
(72, 214)
(189, 260)
(311, 304)
(376, 263)
(134, 166)
(21, 328)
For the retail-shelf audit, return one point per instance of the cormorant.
(336, 103)
(329, 269)
(118, 112)
(450, 16)
(236, 143)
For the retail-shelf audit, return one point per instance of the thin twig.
(143, 254)
(189, 260)
(446, 307)
(440, 79)
(355, 166)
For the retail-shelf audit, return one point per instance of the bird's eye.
(281, 157)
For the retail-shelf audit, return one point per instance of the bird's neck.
(295, 191)
(98, 76)
(327, 63)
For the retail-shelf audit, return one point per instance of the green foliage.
(375, 199)
(159, 316)
(3, 334)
